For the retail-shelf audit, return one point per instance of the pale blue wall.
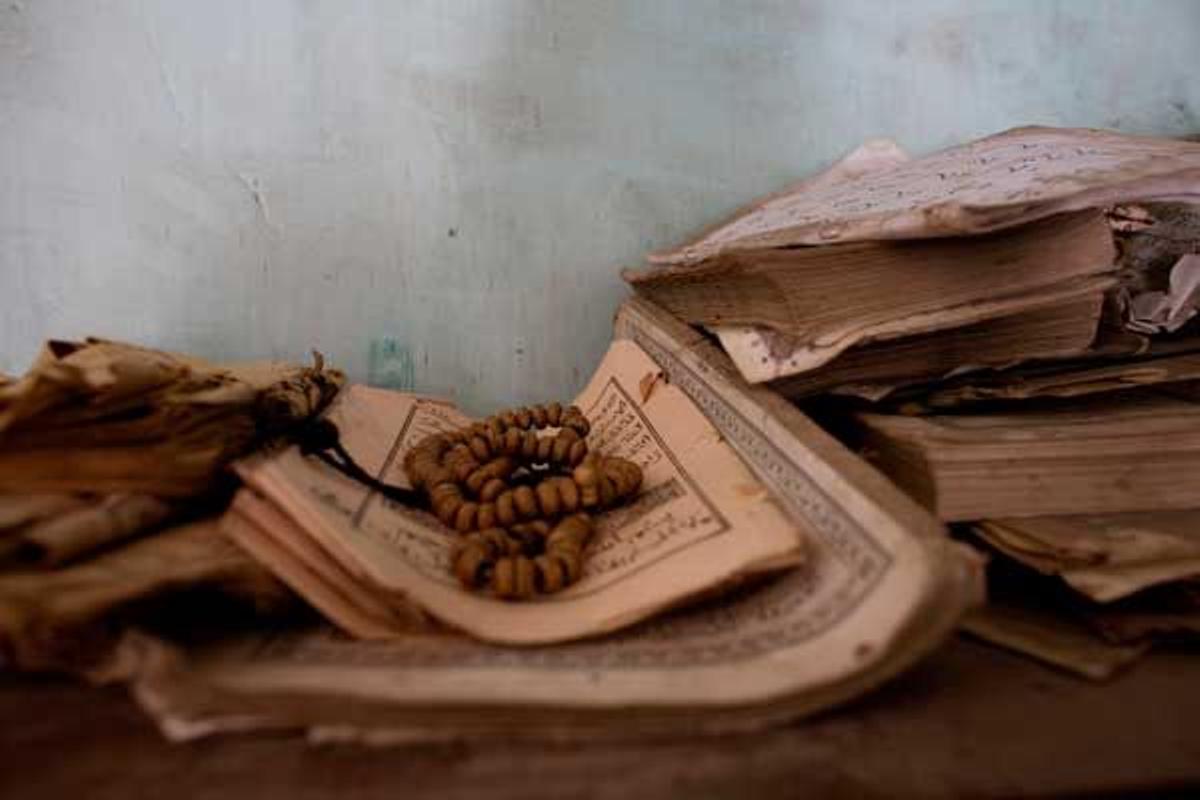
(454, 184)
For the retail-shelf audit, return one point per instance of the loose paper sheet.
(1159, 312)
(1048, 637)
(1103, 556)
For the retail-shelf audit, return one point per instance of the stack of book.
(112, 469)
(1007, 330)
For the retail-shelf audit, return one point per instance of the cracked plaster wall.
(439, 194)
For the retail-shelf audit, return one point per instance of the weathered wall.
(438, 192)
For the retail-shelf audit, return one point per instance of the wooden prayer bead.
(520, 539)
(500, 560)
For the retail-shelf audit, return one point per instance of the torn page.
(1166, 312)
(1103, 556)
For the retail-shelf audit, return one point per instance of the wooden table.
(972, 721)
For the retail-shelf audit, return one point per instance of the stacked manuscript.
(1006, 328)
(111, 469)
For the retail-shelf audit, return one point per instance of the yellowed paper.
(1128, 452)
(1051, 639)
(111, 418)
(754, 349)
(81, 532)
(272, 538)
(702, 519)
(19, 510)
(62, 619)
(1157, 312)
(1049, 328)
(1103, 556)
(1000, 181)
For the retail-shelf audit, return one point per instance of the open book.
(702, 521)
(880, 586)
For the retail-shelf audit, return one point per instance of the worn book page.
(1122, 452)
(106, 417)
(1066, 380)
(880, 587)
(81, 533)
(760, 353)
(20, 510)
(702, 520)
(66, 618)
(876, 557)
(1103, 556)
(872, 156)
(1053, 639)
(834, 298)
(1167, 311)
(1168, 612)
(996, 182)
(271, 537)
(874, 370)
